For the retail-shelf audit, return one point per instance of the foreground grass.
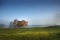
(30, 34)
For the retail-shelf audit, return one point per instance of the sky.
(36, 12)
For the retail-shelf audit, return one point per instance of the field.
(29, 33)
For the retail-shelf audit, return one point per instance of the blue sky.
(36, 12)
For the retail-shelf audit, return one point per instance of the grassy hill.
(29, 33)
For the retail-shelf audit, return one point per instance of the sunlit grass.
(29, 34)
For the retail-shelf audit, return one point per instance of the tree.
(22, 23)
(11, 25)
(15, 22)
(19, 24)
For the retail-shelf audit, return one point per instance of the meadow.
(29, 33)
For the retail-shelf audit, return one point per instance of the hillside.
(30, 34)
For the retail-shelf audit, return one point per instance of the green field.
(29, 33)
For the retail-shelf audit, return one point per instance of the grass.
(30, 34)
